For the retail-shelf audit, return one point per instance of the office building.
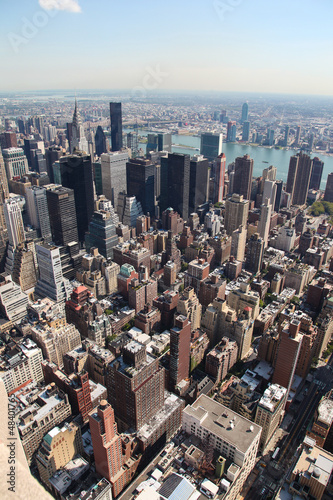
(328, 196)
(288, 351)
(265, 221)
(78, 140)
(231, 131)
(52, 154)
(190, 307)
(255, 252)
(220, 164)
(298, 136)
(234, 437)
(140, 179)
(246, 131)
(50, 408)
(211, 145)
(135, 384)
(236, 212)
(100, 141)
(269, 192)
(243, 176)
(278, 196)
(269, 173)
(61, 206)
(292, 171)
(102, 234)
(180, 349)
(75, 172)
(24, 269)
(116, 126)
(238, 243)
(37, 208)
(14, 222)
(129, 209)
(58, 447)
(51, 282)
(221, 359)
(286, 136)
(113, 166)
(270, 412)
(175, 183)
(245, 112)
(159, 142)
(302, 179)
(316, 174)
(198, 192)
(16, 162)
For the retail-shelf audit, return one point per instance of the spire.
(77, 122)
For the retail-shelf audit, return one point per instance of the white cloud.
(69, 5)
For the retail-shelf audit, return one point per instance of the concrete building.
(13, 301)
(288, 351)
(238, 243)
(180, 348)
(190, 307)
(38, 211)
(113, 167)
(16, 162)
(254, 253)
(322, 426)
(236, 212)
(221, 359)
(265, 220)
(241, 297)
(233, 436)
(270, 412)
(51, 282)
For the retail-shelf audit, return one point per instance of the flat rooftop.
(223, 422)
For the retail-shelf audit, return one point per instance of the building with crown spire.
(78, 140)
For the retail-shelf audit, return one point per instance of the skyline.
(220, 46)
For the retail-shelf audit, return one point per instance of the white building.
(38, 210)
(265, 220)
(233, 436)
(51, 282)
(16, 162)
(13, 302)
(270, 411)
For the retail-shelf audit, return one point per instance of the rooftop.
(272, 396)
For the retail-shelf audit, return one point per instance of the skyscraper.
(302, 179)
(254, 255)
(198, 193)
(75, 172)
(328, 196)
(286, 136)
(243, 176)
(4, 192)
(298, 136)
(220, 163)
(180, 348)
(265, 220)
(14, 222)
(51, 282)
(159, 142)
(61, 205)
(116, 126)
(16, 162)
(231, 131)
(245, 112)
(52, 154)
(278, 196)
(113, 166)
(175, 183)
(236, 212)
(246, 131)
(269, 192)
(140, 179)
(211, 145)
(38, 210)
(292, 171)
(102, 234)
(317, 172)
(269, 173)
(100, 141)
(78, 140)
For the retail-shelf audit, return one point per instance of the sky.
(221, 45)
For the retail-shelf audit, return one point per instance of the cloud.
(69, 5)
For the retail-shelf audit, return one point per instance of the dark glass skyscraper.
(245, 112)
(317, 172)
(198, 193)
(211, 145)
(302, 179)
(243, 176)
(75, 172)
(140, 180)
(102, 234)
(116, 126)
(100, 141)
(61, 206)
(175, 183)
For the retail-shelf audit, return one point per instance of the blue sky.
(241, 45)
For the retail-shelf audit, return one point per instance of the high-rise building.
(198, 193)
(38, 210)
(190, 307)
(140, 177)
(236, 212)
(100, 141)
(245, 112)
(78, 140)
(246, 131)
(243, 176)
(24, 269)
(116, 126)
(254, 255)
(14, 222)
(270, 412)
(135, 386)
(238, 243)
(302, 179)
(316, 174)
(269, 173)
(292, 171)
(286, 136)
(269, 192)
(278, 196)
(61, 205)
(102, 233)
(180, 350)
(159, 142)
(287, 354)
(298, 136)
(129, 209)
(75, 172)
(16, 162)
(211, 145)
(51, 282)
(52, 154)
(265, 220)
(231, 131)
(175, 183)
(328, 196)
(220, 164)
(113, 167)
